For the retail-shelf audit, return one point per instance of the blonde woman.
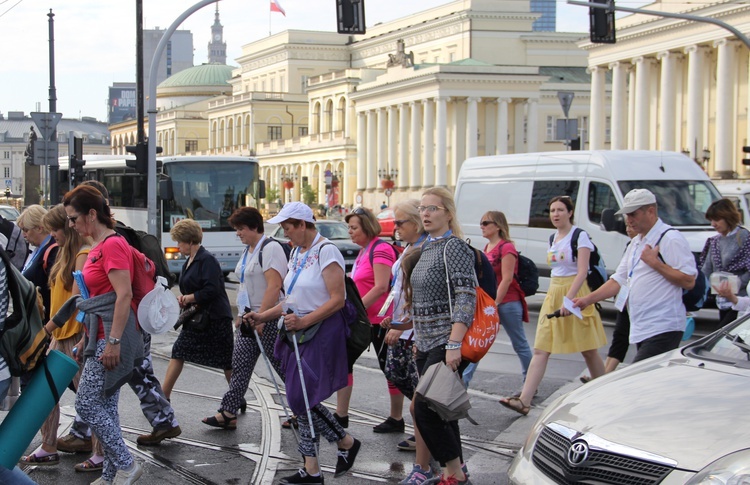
(72, 254)
(42, 258)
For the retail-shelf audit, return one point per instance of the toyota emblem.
(578, 453)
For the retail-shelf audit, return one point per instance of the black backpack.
(149, 245)
(695, 298)
(17, 247)
(597, 273)
(23, 340)
(528, 275)
(485, 273)
(285, 246)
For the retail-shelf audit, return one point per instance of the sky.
(95, 40)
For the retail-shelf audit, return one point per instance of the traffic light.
(746, 161)
(140, 150)
(575, 143)
(76, 162)
(602, 23)
(350, 16)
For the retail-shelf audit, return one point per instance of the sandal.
(227, 423)
(89, 466)
(290, 422)
(585, 379)
(46, 460)
(516, 405)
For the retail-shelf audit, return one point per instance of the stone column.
(597, 119)
(471, 126)
(372, 152)
(618, 117)
(726, 75)
(532, 126)
(392, 162)
(502, 125)
(382, 141)
(403, 146)
(631, 107)
(441, 165)
(415, 171)
(642, 105)
(428, 173)
(694, 137)
(519, 114)
(361, 152)
(667, 101)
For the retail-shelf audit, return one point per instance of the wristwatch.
(113, 341)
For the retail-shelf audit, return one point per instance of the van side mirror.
(612, 222)
(261, 189)
(165, 189)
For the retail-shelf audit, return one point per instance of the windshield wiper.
(739, 343)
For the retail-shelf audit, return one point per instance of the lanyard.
(633, 262)
(302, 265)
(35, 254)
(244, 257)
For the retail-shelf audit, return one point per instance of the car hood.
(689, 410)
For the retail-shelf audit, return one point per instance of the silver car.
(672, 419)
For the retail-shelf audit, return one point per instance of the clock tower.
(217, 48)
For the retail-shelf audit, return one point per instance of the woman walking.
(315, 293)
(567, 333)
(261, 271)
(39, 264)
(71, 257)
(439, 332)
(211, 342)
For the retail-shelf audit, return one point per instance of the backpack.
(597, 273)
(286, 247)
(527, 276)
(143, 277)
(355, 314)
(148, 245)
(485, 273)
(397, 250)
(695, 298)
(17, 248)
(23, 340)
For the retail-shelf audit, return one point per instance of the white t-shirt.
(309, 291)
(254, 281)
(560, 255)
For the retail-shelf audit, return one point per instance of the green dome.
(203, 75)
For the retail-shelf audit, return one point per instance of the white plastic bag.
(159, 309)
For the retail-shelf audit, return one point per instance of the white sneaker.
(125, 477)
(101, 481)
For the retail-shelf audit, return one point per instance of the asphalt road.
(260, 451)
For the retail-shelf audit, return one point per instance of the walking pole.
(304, 394)
(275, 384)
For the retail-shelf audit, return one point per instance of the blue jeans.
(511, 319)
(16, 476)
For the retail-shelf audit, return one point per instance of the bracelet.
(454, 342)
(450, 346)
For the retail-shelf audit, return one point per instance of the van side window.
(601, 197)
(542, 193)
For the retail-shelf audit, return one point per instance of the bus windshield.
(680, 202)
(208, 192)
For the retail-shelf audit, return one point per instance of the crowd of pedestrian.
(294, 312)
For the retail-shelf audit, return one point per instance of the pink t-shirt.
(495, 256)
(364, 276)
(111, 254)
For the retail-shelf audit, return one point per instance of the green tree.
(309, 195)
(272, 193)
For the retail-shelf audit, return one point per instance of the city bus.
(204, 188)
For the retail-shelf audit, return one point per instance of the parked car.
(386, 219)
(9, 212)
(672, 419)
(336, 231)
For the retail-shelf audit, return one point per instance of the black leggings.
(620, 337)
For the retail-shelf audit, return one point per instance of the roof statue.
(401, 58)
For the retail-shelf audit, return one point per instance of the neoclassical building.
(409, 101)
(675, 85)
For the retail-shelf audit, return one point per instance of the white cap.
(635, 199)
(159, 309)
(293, 210)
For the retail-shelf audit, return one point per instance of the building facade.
(676, 85)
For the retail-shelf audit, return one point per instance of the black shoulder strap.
(551, 239)
(265, 243)
(372, 250)
(658, 241)
(574, 242)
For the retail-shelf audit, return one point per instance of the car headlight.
(732, 469)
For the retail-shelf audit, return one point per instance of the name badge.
(387, 304)
(622, 297)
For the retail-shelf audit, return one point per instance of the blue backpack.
(695, 298)
(597, 274)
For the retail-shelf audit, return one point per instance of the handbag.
(194, 318)
(400, 367)
(483, 331)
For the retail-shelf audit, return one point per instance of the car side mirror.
(611, 222)
(261, 189)
(165, 189)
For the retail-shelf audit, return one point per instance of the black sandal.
(227, 423)
(290, 422)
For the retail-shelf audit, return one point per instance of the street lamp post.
(387, 180)
(151, 188)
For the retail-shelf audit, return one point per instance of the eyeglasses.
(429, 208)
(485, 223)
(73, 219)
(400, 222)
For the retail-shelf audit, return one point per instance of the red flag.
(276, 7)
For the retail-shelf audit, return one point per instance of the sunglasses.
(400, 222)
(359, 211)
(485, 223)
(73, 219)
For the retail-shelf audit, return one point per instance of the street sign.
(566, 129)
(45, 152)
(46, 122)
(8, 182)
(388, 192)
(566, 99)
(45, 148)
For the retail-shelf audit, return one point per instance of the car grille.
(550, 455)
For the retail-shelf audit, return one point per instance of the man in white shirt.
(650, 278)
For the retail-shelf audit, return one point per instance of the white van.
(522, 185)
(739, 193)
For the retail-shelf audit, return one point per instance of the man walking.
(650, 278)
